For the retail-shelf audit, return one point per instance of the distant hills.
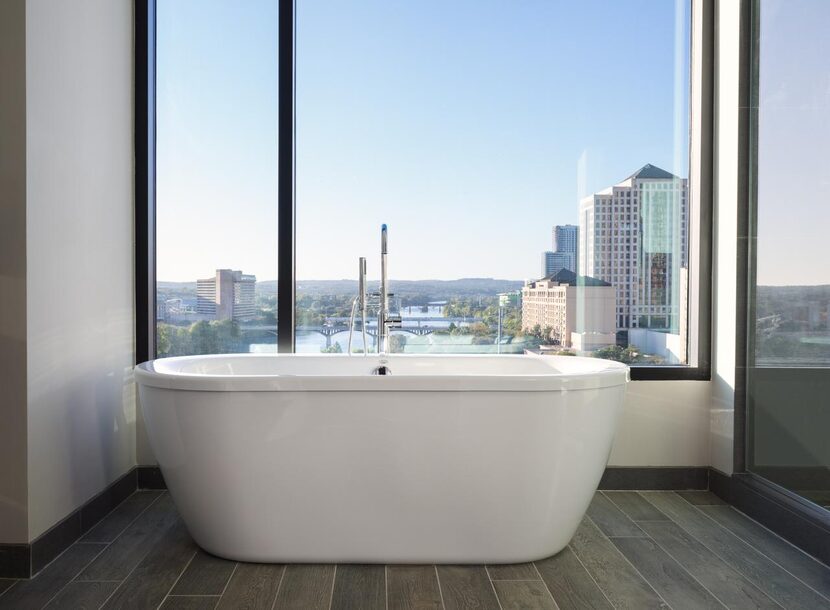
(464, 287)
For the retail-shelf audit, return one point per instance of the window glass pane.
(216, 176)
(503, 143)
(789, 351)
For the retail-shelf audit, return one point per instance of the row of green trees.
(203, 337)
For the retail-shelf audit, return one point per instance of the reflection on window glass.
(788, 377)
(530, 159)
(216, 176)
(792, 295)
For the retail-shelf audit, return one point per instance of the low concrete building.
(578, 310)
(670, 347)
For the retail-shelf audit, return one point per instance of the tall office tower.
(565, 239)
(634, 236)
(554, 262)
(547, 263)
(564, 254)
(229, 295)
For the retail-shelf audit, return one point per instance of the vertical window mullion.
(285, 193)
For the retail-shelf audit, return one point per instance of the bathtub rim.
(608, 374)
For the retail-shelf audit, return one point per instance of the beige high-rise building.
(634, 235)
(230, 295)
(579, 311)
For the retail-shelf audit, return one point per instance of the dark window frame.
(145, 193)
(780, 509)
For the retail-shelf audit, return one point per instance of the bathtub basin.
(449, 459)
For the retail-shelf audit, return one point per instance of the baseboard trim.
(150, 477)
(15, 560)
(26, 560)
(720, 484)
(798, 521)
(618, 478)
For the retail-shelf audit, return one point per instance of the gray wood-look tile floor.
(632, 550)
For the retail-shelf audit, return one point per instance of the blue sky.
(470, 127)
(794, 143)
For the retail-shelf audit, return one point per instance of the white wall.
(664, 423)
(79, 247)
(14, 526)
(725, 322)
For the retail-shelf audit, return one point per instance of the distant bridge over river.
(336, 325)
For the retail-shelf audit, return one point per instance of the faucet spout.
(385, 319)
(383, 308)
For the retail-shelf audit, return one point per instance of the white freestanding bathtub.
(449, 459)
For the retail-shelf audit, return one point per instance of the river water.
(314, 342)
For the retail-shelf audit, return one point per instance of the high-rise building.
(553, 262)
(634, 236)
(578, 311)
(229, 295)
(565, 240)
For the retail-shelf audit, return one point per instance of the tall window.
(491, 136)
(531, 160)
(216, 170)
(789, 293)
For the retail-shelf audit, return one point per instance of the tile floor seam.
(493, 586)
(545, 585)
(110, 543)
(109, 512)
(228, 582)
(633, 567)
(279, 585)
(624, 514)
(760, 552)
(124, 529)
(764, 527)
(692, 576)
(178, 578)
(10, 587)
(135, 567)
(51, 561)
(386, 584)
(721, 557)
(591, 576)
(632, 519)
(66, 584)
(14, 584)
(667, 520)
(438, 581)
(333, 581)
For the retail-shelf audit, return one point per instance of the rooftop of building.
(652, 172)
(646, 172)
(566, 277)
